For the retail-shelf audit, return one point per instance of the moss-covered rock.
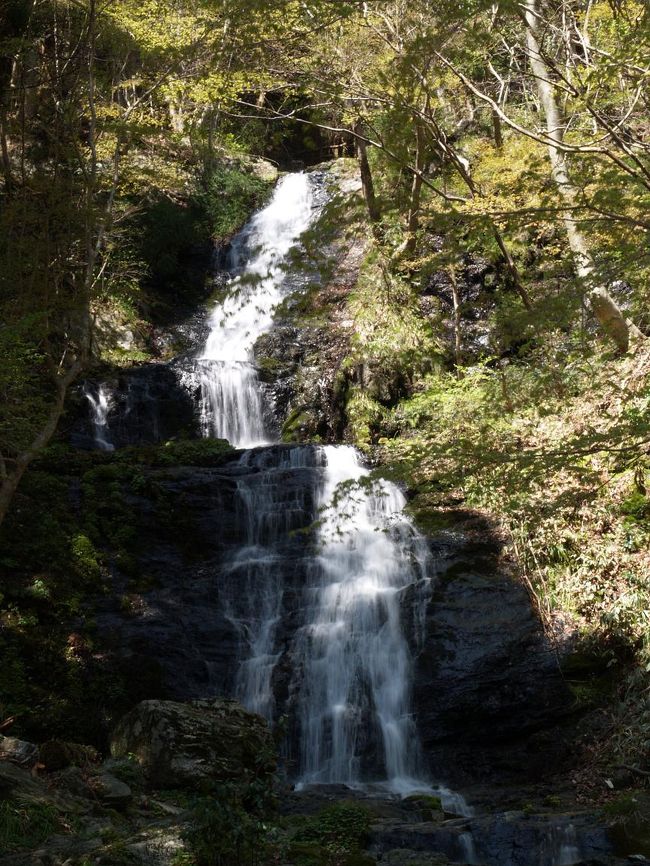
(196, 743)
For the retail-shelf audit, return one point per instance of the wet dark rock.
(178, 624)
(406, 857)
(147, 404)
(182, 639)
(510, 839)
(301, 360)
(475, 283)
(185, 745)
(18, 751)
(487, 680)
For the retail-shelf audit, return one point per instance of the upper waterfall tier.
(231, 403)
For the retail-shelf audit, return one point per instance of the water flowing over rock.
(146, 405)
(510, 839)
(288, 577)
(238, 600)
(101, 403)
(231, 399)
(354, 659)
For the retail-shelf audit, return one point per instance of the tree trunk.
(6, 162)
(497, 131)
(413, 221)
(605, 308)
(11, 478)
(366, 176)
(456, 300)
(512, 268)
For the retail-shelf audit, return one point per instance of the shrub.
(229, 196)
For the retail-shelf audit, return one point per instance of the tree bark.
(367, 183)
(413, 220)
(497, 131)
(4, 149)
(609, 315)
(12, 477)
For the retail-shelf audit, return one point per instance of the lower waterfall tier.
(242, 572)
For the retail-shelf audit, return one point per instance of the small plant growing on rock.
(334, 837)
(229, 827)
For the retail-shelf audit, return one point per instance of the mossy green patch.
(298, 425)
(228, 195)
(336, 835)
(73, 529)
(636, 507)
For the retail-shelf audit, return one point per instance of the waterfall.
(101, 404)
(352, 656)
(467, 849)
(565, 847)
(316, 588)
(231, 403)
(350, 661)
(269, 511)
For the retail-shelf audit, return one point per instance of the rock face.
(145, 405)
(186, 632)
(188, 745)
(301, 363)
(510, 839)
(486, 676)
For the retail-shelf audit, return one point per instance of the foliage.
(231, 826)
(186, 452)
(558, 453)
(25, 825)
(229, 195)
(333, 837)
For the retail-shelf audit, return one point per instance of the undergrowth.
(561, 457)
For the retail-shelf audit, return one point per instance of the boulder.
(18, 751)
(14, 779)
(57, 754)
(111, 792)
(186, 745)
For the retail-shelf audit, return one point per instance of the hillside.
(325, 391)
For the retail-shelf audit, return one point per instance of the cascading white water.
(468, 849)
(566, 848)
(100, 405)
(352, 655)
(268, 511)
(351, 664)
(231, 404)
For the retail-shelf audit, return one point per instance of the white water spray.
(231, 404)
(100, 406)
(352, 655)
(351, 664)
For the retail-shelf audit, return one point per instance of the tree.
(605, 308)
(78, 87)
